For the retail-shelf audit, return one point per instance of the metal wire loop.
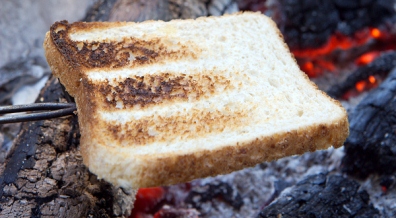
(50, 110)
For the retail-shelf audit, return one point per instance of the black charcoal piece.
(380, 66)
(322, 196)
(309, 24)
(371, 145)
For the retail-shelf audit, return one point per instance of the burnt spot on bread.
(128, 52)
(182, 126)
(160, 88)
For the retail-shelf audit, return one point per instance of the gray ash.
(201, 194)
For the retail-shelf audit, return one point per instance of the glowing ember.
(308, 68)
(365, 85)
(316, 67)
(375, 33)
(372, 79)
(367, 58)
(147, 201)
(336, 41)
(361, 85)
(315, 61)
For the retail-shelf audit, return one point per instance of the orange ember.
(308, 68)
(364, 85)
(360, 85)
(372, 79)
(315, 61)
(375, 33)
(367, 58)
(315, 67)
(337, 41)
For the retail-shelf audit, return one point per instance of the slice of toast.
(161, 103)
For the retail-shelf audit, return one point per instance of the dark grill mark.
(155, 89)
(112, 54)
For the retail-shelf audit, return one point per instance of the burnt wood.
(322, 196)
(371, 145)
(45, 176)
(380, 66)
(309, 24)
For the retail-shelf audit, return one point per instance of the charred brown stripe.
(160, 88)
(165, 129)
(129, 52)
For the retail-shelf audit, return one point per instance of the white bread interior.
(218, 94)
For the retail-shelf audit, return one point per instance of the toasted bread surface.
(161, 103)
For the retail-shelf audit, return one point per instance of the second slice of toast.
(167, 102)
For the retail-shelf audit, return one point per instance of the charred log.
(307, 24)
(371, 146)
(45, 176)
(380, 66)
(322, 196)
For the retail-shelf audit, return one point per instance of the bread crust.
(69, 61)
(176, 168)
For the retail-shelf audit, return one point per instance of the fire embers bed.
(365, 77)
(309, 24)
(338, 37)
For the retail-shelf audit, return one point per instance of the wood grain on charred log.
(45, 175)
